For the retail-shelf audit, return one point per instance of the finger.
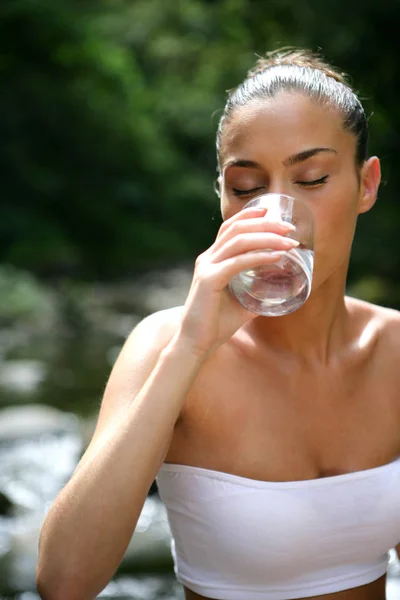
(225, 270)
(252, 225)
(246, 213)
(248, 242)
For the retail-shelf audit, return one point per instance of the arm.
(89, 526)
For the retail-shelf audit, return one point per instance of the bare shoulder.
(379, 321)
(156, 330)
(134, 365)
(148, 338)
(142, 350)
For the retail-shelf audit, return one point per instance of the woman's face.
(291, 145)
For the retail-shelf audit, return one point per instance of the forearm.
(89, 526)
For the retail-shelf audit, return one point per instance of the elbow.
(58, 584)
(51, 588)
(44, 587)
(45, 592)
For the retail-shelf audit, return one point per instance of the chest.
(282, 422)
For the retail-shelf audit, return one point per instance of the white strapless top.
(236, 538)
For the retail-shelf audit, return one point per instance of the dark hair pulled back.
(305, 72)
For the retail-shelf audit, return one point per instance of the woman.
(275, 440)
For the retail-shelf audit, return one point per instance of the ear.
(217, 186)
(370, 178)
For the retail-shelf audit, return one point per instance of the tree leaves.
(109, 112)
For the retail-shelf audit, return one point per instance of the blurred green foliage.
(108, 117)
(22, 297)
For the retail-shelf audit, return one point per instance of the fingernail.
(276, 254)
(288, 226)
(292, 243)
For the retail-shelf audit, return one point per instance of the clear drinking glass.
(280, 288)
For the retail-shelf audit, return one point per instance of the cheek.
(231, 207)
(225, 209)
(335, 226)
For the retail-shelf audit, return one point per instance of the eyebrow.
(304, 155)
(288, 162)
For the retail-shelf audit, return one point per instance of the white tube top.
(236, 538)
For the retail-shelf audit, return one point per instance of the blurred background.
(108, 114)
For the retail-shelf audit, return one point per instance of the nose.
(278, 186)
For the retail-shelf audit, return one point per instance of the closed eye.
(237, 192)
(313, 183)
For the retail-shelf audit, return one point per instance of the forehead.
(282, 126)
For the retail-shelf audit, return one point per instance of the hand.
(211, 315)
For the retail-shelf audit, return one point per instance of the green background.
(108, 113)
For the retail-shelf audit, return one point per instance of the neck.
(316, 331)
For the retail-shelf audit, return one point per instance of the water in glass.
(277, 289)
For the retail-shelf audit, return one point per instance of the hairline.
(324, 101)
